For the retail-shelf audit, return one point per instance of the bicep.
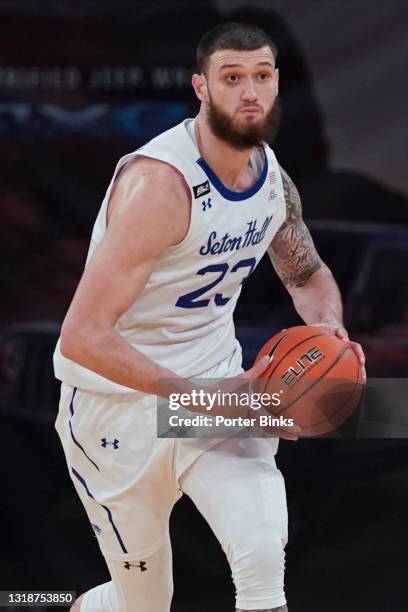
(113, 279)
(142, 224)
(292, 250)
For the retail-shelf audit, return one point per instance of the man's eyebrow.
(223, 66)
(264, 63)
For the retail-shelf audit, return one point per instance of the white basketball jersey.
(183, 319)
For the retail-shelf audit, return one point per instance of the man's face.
(242, 103)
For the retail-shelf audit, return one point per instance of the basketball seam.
(337, 411)
(347, 400)
(335, 362)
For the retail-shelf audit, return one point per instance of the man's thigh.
(122, 473)
(237, 485)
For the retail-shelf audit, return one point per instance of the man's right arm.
(149, 211)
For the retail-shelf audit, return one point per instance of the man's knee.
(258, 565)
(257, 556)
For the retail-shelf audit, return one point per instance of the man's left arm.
(308, 280)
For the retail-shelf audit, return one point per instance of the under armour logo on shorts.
(105, 443)
(141, 565)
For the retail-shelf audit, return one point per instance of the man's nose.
(249, 92)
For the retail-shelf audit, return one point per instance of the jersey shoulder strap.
(176, 147)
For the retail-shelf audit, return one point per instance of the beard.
(248, 136)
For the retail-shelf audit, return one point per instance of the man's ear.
(199, 83)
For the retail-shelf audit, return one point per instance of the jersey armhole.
(120, 166)
(118, 171)
(187, 237)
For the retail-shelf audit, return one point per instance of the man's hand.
(254, 374)
(247, 382)
(341, 333)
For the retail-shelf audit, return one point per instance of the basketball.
(317, 375)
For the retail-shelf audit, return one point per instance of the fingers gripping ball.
(317, 374)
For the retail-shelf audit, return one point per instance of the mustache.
(223, 126)
(251, 104)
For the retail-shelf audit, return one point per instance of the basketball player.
(186, 218)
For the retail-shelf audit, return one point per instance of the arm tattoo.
(292, 251)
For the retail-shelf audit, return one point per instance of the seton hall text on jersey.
(250, 237)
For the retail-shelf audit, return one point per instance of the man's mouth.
(250, 109)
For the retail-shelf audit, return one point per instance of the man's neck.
(232, 166)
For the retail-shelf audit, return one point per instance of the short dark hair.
(232, 35)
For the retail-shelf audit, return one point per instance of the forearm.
(110, 355)
(319, 299)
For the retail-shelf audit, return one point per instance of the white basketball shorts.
(127, 478)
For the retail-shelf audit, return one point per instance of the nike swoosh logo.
(273, 349)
